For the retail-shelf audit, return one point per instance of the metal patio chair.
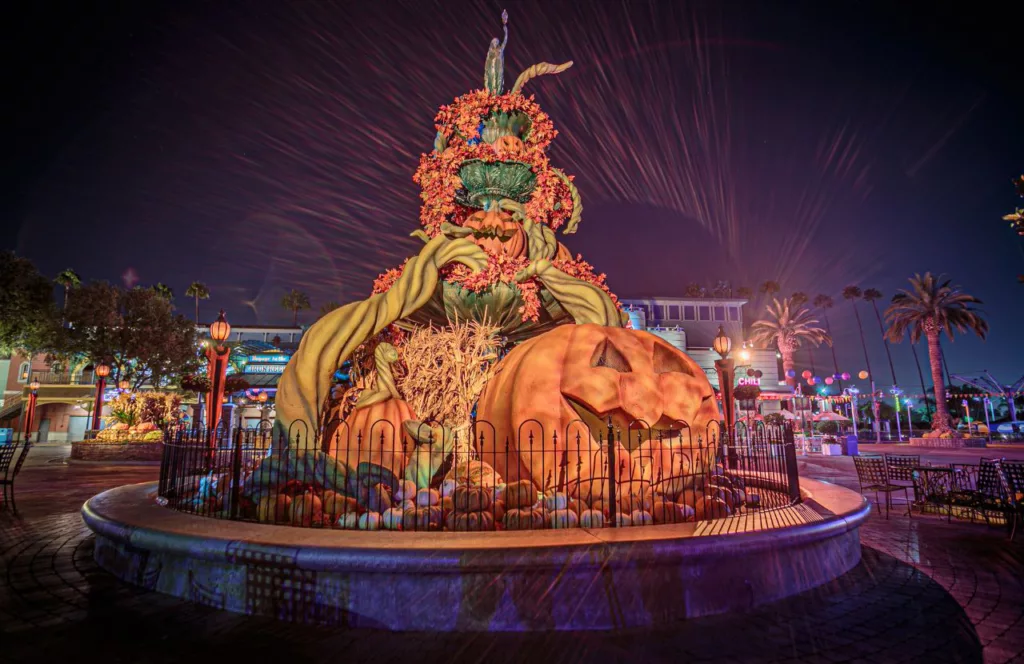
(9, 469)
(900, 468)
(872, 475)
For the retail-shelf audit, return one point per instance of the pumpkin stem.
(383, 356)
(539, 69)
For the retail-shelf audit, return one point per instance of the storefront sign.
(746, 380)
(264, 368)
(270, 358)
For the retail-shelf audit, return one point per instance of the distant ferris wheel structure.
(986, 382)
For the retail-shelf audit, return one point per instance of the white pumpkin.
(592, 519)
(556, 501)
(622, 520)
(370, 521)
(447, 488)
(409, 504)
(428, 497)
(348, 521)
(406, 490)
(641, 518)
(563, 518)
(392, 519)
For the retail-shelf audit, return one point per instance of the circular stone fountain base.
(505, 581)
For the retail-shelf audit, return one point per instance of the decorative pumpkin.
(556, 501)
(408, 505)
(474, 472)
(622, 520)
(668, 512)
(641, 518)
(520, 495)
(426, 497)
(470, 521)
(563, 519)
(498, 509)
(471, 499)
(524, 519)
(592, 519)
(496, 232)
(574, 378)
(335, 503)
(447, 504)
(306, 510)
(422, 518)
(392, 519)
(369, 521)
(372, 434)
(634, 502)
(707, 507)
(447, 488)
(406, 490)
(274, 508)
(348, 521)
(507, 146)
(600, 506)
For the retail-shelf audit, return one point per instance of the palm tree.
(164, 291)
(824, 302)
(744, 292)
(199, 291)
(770, 288)
(852, 293)
(930, 307)
(788, 328)
(872, 295)
(799, 298)
(328, 307)
(295, 301)
(68, 279)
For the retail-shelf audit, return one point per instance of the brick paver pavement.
(926, 591)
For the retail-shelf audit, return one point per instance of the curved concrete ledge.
(550, 579)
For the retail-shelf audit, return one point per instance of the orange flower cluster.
(584, 271)
(438, 173)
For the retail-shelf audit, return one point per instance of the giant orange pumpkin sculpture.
(496, 232)
(569, 383)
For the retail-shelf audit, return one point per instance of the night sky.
(262, 146)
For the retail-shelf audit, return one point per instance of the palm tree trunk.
(941, 420)
(920, 374)
(295, 317)
(888, 353)
(197, 309)
(863, 343)
(67, 290)
(788, 364)
(835, 362)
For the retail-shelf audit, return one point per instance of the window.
(689, 312)
(659, 312)
(673, 312)
(719, 313)
(705, 312)
(734, 313)
(23, 372)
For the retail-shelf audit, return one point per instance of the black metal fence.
(480, 479)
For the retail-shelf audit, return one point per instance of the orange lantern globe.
(220, 330)
(863, 375)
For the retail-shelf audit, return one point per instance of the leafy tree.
(693, 289)
(788, 328)
(852, 294)
(28, 316)
(928, 308)
(136, 330)
(295, 301)
(199, 291)
(68, 279)
(164, 291)
(828, 427)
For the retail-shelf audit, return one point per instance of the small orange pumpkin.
(422, 518)
(471, 499)
(520, 495)
(306, 510)
(507, 146)
(273, 509)
(470, 521)
(525, 519)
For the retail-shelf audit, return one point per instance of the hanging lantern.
(863, 375)
(758, 373)
(806, 374)
(829, 380)
(790, 373)
(750, 372)
(817, 380)
(846, 375)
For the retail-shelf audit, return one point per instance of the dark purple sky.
(260, 146)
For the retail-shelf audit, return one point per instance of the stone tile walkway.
(925, 591)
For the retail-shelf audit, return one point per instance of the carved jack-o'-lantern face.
(579, 375)
(496, 233)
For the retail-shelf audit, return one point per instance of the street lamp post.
(910, 424)
(895, 392)
(30, 413)
(725, 368)
(852, 391)
(988, 425)
(217, 368)
(102, 370)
